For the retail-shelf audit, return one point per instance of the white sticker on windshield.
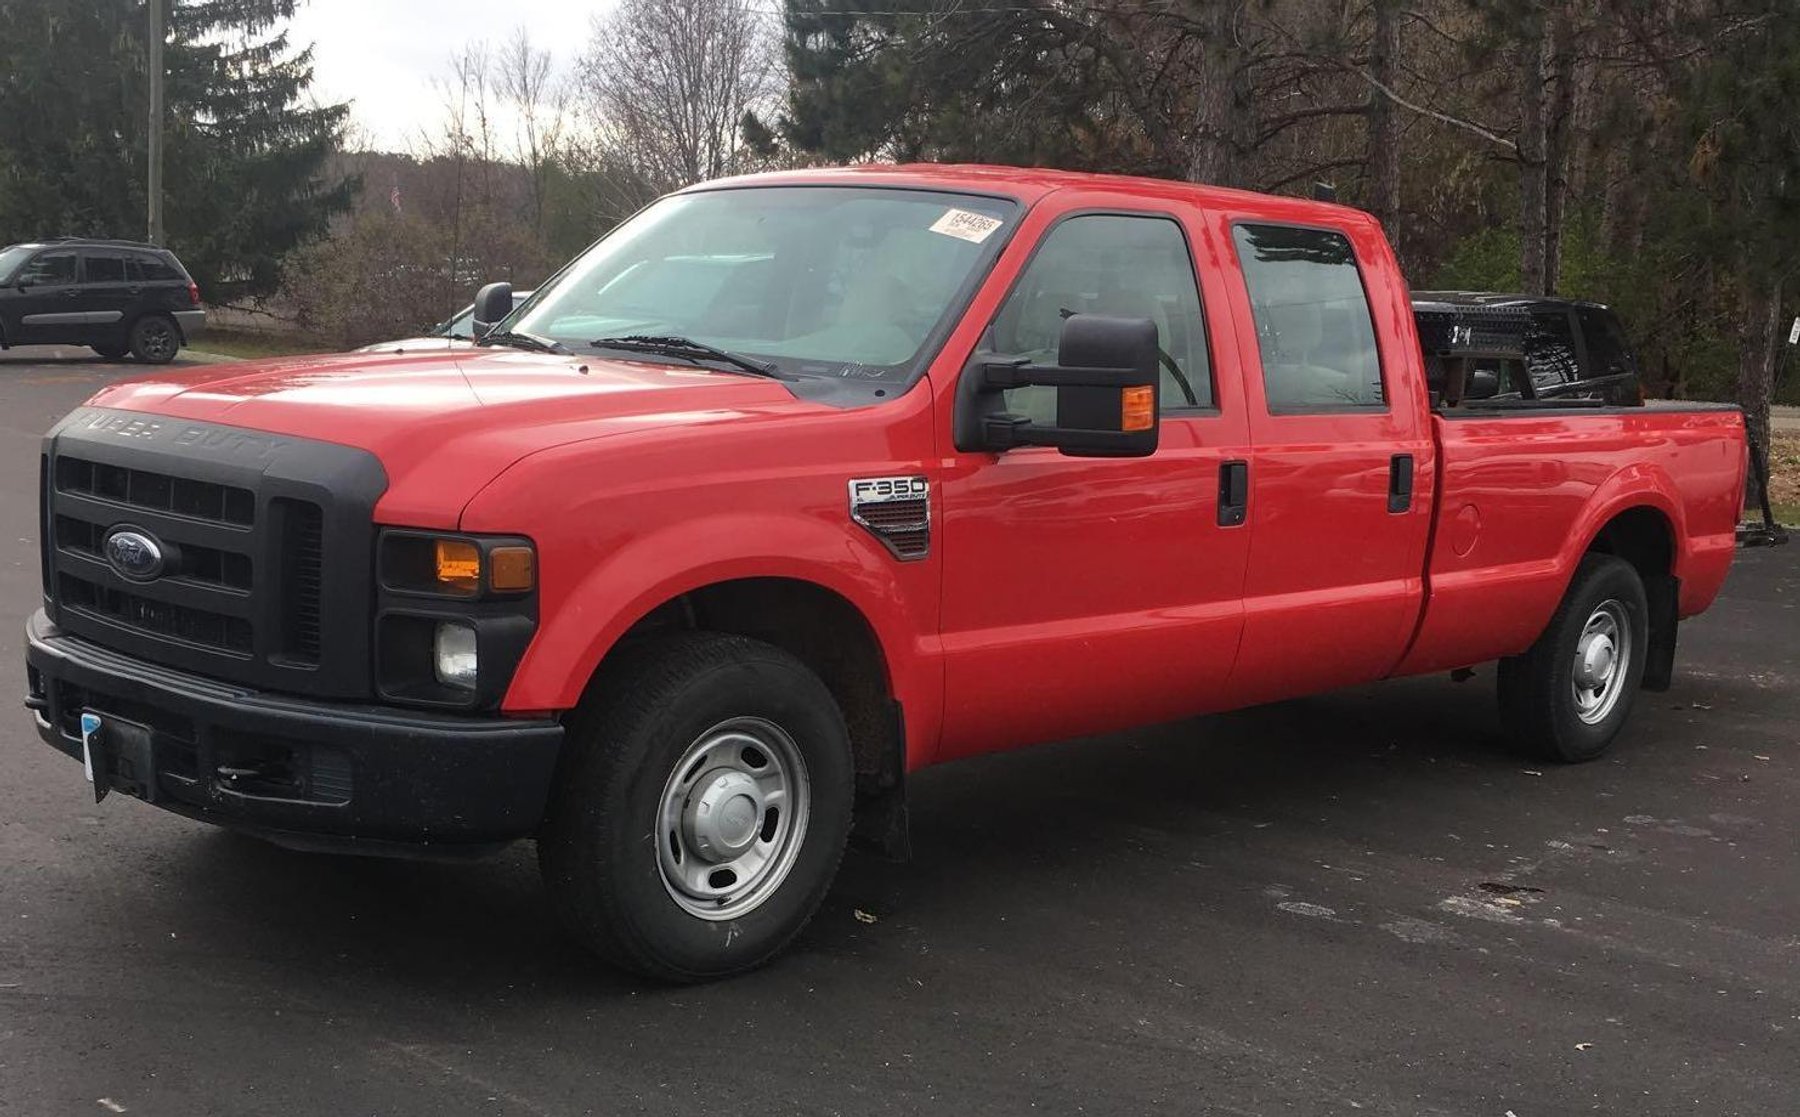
(960, 223)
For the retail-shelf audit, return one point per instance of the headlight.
(456, 566)
(454, 615)
(455, 655)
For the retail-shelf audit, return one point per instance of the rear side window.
(103, 269)
(156, 269)
(1313, 328)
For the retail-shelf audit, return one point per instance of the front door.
(47, 299)
(1341, 474)
(1087, 594)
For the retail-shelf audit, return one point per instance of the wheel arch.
(1642, 525)
(843, 618)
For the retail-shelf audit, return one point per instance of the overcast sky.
(383, 54)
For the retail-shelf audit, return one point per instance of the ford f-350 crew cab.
(797, 483)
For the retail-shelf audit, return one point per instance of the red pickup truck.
(795, 484)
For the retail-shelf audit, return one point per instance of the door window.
(51, 269)
(103, 269)
(1134, 267)
(1313, 327)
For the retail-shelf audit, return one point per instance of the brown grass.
(1784, 476)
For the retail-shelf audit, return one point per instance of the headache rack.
(1455, 337)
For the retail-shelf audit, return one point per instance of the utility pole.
(156, 121)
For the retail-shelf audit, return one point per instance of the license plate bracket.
(118, 754)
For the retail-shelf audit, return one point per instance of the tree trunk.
(1534, 193)
(1383, 122)
(1559, 144)
(1759, 339)
(1220, 114)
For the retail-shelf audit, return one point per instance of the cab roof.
(1029, 185)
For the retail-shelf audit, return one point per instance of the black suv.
(114, 296)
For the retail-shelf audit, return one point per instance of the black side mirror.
(492, 304)
(1106, 383)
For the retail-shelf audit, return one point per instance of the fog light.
(454, 656)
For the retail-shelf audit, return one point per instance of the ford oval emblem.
(135, 554)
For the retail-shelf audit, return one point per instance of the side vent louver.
(897, 511)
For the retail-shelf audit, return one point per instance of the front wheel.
(1568, 696)
(701, 809)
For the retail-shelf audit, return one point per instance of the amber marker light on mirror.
(511, 569)
(458, 565)
(1137, 408)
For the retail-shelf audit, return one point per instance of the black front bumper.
(303, 772)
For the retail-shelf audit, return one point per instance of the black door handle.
(1234, 493)
(1400, 482)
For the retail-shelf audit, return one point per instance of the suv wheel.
(1568, 696)
(154, 340)
(701, 810)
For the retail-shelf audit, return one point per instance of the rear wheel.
(111, 352)
(701, 809)
(154, 340)
(1568, 696)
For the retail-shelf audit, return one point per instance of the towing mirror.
(492, 304)
(1106, 384)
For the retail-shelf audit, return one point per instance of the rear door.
(47, 303)
(1086, 594)
(107, 292)
(1340, 475)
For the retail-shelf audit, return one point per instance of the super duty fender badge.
(895, 510)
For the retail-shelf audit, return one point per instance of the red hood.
(445, 424)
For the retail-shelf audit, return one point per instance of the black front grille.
(255, 532)
(303, 577)
(202, 627)
(156, 492)
(195, 563)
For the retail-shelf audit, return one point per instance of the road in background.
(1356, 903)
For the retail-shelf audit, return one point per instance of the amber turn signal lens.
(511, 569)
(458, 565)
(1137, 408)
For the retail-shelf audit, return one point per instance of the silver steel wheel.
(732, 818)
(1602, 660)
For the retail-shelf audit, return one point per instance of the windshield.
(817, 281)
(11, 258)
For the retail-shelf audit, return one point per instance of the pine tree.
(243, 156)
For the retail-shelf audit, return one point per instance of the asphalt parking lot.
(1354, 903)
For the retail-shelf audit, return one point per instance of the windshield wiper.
(517, 340)
(686, 347)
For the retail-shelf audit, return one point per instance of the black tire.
(600, 849)
(155, 340)
(1539, 701)
(110, 352)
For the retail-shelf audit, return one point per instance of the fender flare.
(614, 595)
(1636, 486)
